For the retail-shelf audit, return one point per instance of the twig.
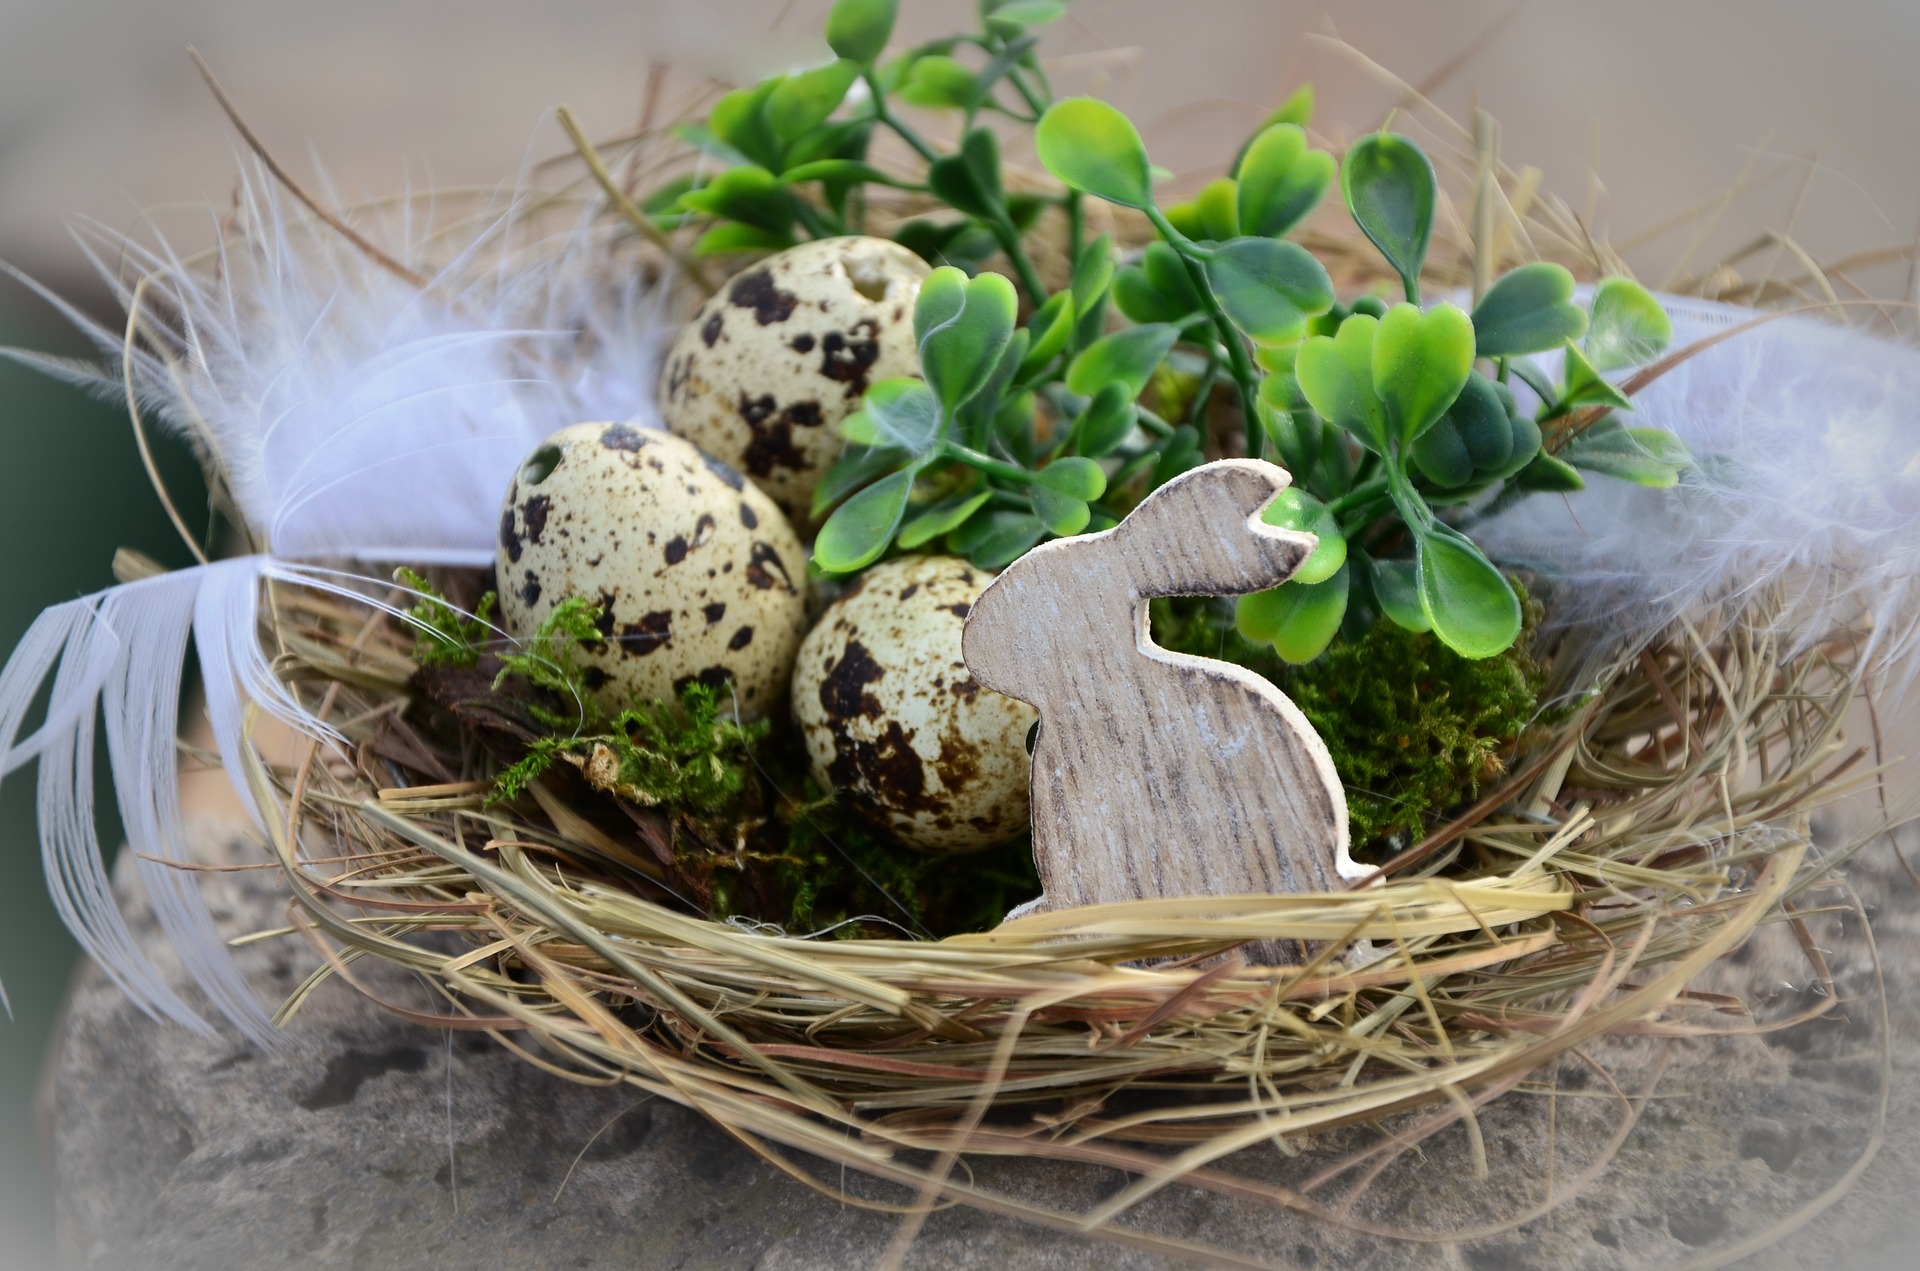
(626, 206)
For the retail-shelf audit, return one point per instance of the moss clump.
(1414, 729)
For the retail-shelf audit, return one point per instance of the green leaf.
(859, 29)
(963, 326)
(1420, 363)
(900, 412)
(1075, 477)
(1296, 110)
(855, 466)
(1027, 13)
(1628, 328)
(751, 195)
(1107, 421)
(1472, 608)
(938, 82)
(969, 180)
(1584, 387)
(1269, 288)
(740, 120)
(1216, 204)
(1179, 453)
(1389, 187)
(1476, 435)
(1127, 357)
(1281, 181)
(942, 518)
(735, 237)
(1550, 474)
(1295, 509)
(1650, 457)
(1396, 588)
(1298, 619)
(997, 539)
(1290, 425)
(1336, 374)
(1158, 289)
(802, 102)
(850, 170)
(1094, 148)
(1050, 325)
(860, 529)
(1061, 513)
(1529, 310)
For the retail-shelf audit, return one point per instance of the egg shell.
(891, 715)
(770, 365)
(698, 574)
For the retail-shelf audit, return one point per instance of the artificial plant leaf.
(1528, 310)
(1127, 357)
(1074, 476)
(1093, 148)
(735, 237)
(1295, 509)
(1442, 455)
(1051, 325)
(976, 415)
(740, 120)
(849, 170)
(963, 330)
(1017, 14)
(1336, 374)
(942, 518)
(1585, 387)
(1297, 110)
(1650, 457)
(1281, 181)
(858, 29)
(855, 466)
(1290, 425)
(996, 539)
(1216, 205)
(938, 82)
(1062, 514)
(751, 195)
(1268, 288)
(900, 412)
(860, 529)
(1628, 326)
(1550, 474)
(1298, 619)
(1179, 453)
(1396, 589)
(1390, 191)
(800, 103)
(1420, 363)
(1472, 608)
(1107, 421)
(969, 180)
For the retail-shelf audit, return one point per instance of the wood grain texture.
(1155, 773)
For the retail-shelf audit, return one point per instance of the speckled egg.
(891, 715)
(698, 574)
(784, 351)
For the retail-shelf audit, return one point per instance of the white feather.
(1807, 435)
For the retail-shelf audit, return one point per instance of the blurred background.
(1753, 116)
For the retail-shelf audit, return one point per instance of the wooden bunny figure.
(1155, 773)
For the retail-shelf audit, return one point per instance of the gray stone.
(380, 1144)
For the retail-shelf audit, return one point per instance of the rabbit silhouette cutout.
(1156, 773)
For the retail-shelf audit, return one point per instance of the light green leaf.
(1051, 324)
(802, 102)
(942, 518)
(1420, 363)
(1026, 13)
(1297, 110)
(1269, 288)
(1094, 148)
(858, 532)
(900, 411)
(1585, 387)
(1390, 190)
(1336, 374)
(1061, 513)
(938, 82)
(1107, 421)
(858, 29)
(1396, 587)
(843, 170)
(1281, 181)
(1298, 619)
(1295, 509)
(963, 327)
(1473, 610)
(1075, 477)
(1650, 457)
(735, 237)
(740, 120)
(1550, 474)
(1529, 310)
(856, 466)
(1127, 357)
(1216, 204)
(1629, 328)
(751, 195)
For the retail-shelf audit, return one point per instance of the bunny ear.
(1200, 533)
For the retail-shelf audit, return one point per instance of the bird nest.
(1641, 836)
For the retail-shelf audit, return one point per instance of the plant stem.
(987, 463)
(1237, 358)
(1009, 236)
(900, 129)
(1359, 495)
(1197, 411)
(1076, 227)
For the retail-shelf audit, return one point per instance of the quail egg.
(766, 370)
(698, 575)
(891, 715)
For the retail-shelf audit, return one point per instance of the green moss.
(1415, 730)
(443, 635)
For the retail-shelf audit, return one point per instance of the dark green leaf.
(740, 119)
(1281, 181)
(969, 180)
(1420, 363)
(802, 102)
(1298, 619)
(1268, 288)
(942, 518)
(1094, 148)
(1529, 310)
(856, 466)
(1389, 188)
(1473, 610)
(1295, 509)
(1396, 589)
(843, 170)
(1442, 456)
(963, 327)
(1629, 328)
(1158, 289)
(859, 29)
(1476, 435)
(1050, 324)
(1126, 357)
(860, 529)
(997, 539)
(751, 195)
(1179, 453)
(1107, 421)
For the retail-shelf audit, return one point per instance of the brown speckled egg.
(698, 574)
(891, 715)
(764, 373)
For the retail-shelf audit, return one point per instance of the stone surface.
(379, 1144)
